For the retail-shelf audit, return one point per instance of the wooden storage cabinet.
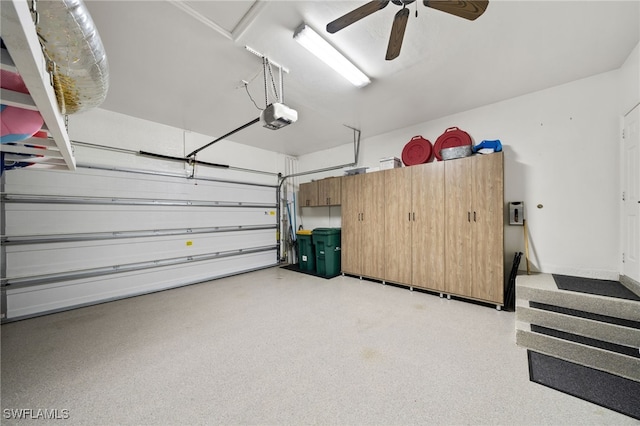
(324, 192)
(363, 225)
(437, 226)
(414, 232)
(351, 226)
(329, 191)
(474, 248)
(428, 239)
(397, 225)
(308, 194)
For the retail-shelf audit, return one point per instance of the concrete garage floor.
(280, 347)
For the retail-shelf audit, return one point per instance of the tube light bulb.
(315, 44)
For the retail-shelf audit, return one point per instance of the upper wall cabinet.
(324, 192)
(308, 194)
(329, 191)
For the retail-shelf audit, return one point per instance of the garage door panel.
(30, 301)
(84, 182)
(37, 259)
(38, 219)
(72, 238)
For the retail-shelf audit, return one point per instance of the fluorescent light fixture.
(328, 54)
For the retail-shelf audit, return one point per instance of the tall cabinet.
(414, 230)
(363, 225)
(436, 226)
(474, 205)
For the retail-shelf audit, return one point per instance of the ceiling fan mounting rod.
(403, 3)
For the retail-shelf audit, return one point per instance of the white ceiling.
(182, 63)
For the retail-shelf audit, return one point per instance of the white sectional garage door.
(76, 238)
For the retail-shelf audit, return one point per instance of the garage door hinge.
(622, 257)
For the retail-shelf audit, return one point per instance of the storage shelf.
(24, 55)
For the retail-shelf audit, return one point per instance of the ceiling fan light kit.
(315, 44)
(471, 10)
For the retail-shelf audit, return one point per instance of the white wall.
(630, 81)
(108, 128)
(561, 151)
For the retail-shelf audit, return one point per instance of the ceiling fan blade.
(470, 10)
(397, 33)
(356, 15)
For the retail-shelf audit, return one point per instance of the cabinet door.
(351, 224)
(458, 233)
(398, 225)
(427, 244)
(372, 225)
(329, 191)
(308, 194)
(488, 217)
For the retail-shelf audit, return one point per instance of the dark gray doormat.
(599, 387)
(296, 268)
(593, 286)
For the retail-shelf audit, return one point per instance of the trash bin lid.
(327, 231)
(304, 232)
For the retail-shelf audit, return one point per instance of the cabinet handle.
(414, 216)
(469, 216)
(409, 218)
(474, 216)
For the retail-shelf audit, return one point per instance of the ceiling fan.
(470, 10)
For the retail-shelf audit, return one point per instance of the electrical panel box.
(516, 213)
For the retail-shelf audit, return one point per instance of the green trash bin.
(306, 254)
(327, 244)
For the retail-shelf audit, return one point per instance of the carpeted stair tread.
(542, 288)
(607, 288)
